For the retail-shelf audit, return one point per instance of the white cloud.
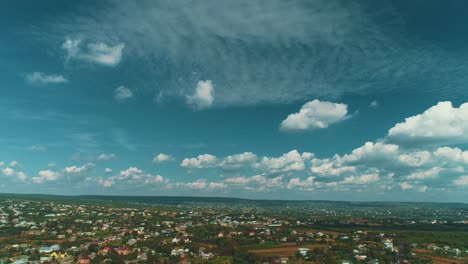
(423, 188)
(203, 96)
(14, 163)
(307, 184)
(81, 169)
(131, 172)
(42, 78)
(2, 163)
(52, 164)
(256, 182)
(463, 180)
(161, 157)
(105, 183)
(315, 115)
(406, 186)
(426, 174)
(134, 175)
(200, 184)
(330, 168)
(245, 180)
(374, 103)
(438, 125)
(8, 171)
(371, 152)
(455, 155)
(203, 184)
(280, 73)
(101, 181)
(121, 93)
(105, 156)
(37, 148)
(21, 176)
(237, 161)
(46, 175)
(202, 161)
(291, 161)
(217, 185)
(99, 53)
(363, 179)
(416, 159)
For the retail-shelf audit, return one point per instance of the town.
(55, 230)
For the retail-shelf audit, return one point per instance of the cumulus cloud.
(370, 153)
(79, 169)
(238, 161)
(10, 172)
(416, 159)
(315, 114)
(452, 155)
(202, 161)
(242, 180)
(307, 184)
(202, 184)
(122, 93)
(101, 181)
(291, 161)
(257, 182)
(161, 158)
(217, 185)
(98, 52)
(363, 179)
(423, 188)
(130, 176)
(425, 174)
(108, 170)
(463, 180)
(374, 103)
(203, 97)
(330, 167)
(406, 186)
(14, 163)
(105, 156)
(441, 124)
(42, 78)
(46, 175)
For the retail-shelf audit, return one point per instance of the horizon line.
(234, 198)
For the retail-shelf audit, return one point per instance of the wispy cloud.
(122, 138)
(97, 52)
(42, 78)
(122, 93)
(333, 49)
(37, 148)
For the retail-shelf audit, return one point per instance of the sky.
(266, 99)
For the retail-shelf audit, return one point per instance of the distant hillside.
(187, 200)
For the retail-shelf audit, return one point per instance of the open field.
(437, 259)
(283, 250)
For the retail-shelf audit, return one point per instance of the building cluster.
(41, 231)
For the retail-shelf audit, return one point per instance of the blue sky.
(254, 99)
